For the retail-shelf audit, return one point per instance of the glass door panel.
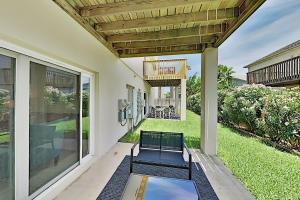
(7, 87)
(54, 124)
(86, 87)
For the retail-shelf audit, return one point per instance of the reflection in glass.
(54, 123)
(7, 84)
(85, 115)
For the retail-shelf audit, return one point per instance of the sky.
(274, 25)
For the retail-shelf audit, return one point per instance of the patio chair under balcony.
(166, 113)
(172, 113)
(158, 112)
(161, 149)
(152, 112)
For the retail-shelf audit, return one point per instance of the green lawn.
(4, 138)
(266, 172)
(70, 126)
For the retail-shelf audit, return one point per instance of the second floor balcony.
(283, 73)
(165, 72)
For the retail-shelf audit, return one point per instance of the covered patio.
(87, 40)
(153, 28)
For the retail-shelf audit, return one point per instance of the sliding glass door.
(46, 123)
(7, 88)
(86, 91)
(54, 124)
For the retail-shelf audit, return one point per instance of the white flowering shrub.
(243, 105)
(265, 111)
(222, 93)
(54, 97)
(281, 116)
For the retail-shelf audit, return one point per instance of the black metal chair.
(166, 113)
(172, 113)
(158, 113)
(161, 149)
(152, 112)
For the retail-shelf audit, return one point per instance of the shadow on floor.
(114, 188)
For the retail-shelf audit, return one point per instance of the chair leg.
(131, 159)
(190, 167)
(130, 167)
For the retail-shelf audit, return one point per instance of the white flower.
(285, 108)
(286, 123)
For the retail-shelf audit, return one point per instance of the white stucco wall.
(276, 59)
(136, 64)
(44, 28)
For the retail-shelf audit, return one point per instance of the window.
(54, 124)
(7, 87)
(86, 87)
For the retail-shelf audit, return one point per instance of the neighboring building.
(239, 80)
(280, 68)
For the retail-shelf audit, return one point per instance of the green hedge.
(265, 111)
(268, 112)
(194, 103)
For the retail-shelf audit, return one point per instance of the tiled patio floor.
(89, 185)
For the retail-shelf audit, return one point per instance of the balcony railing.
(281, 72)
(165, 69)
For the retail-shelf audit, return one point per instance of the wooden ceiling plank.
(203, 16)
(160, 35)
(134, 5)
(74, 14)
(187, 49)
(166, 43)
(246, 9)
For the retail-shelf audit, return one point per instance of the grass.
(190, 128)
(70, 126)
(267, 172)
(4, 138)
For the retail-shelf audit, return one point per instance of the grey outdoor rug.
(115, 186)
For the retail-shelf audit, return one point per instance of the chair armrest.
(132, 148)
(190, 161)
(187, 150)
(131, 155)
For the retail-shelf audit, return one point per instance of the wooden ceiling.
(137, 28)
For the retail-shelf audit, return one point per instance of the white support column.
(209, 103)
(183, 100)
(171, 92)
(176, 100)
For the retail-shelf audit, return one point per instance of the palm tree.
(225, 78)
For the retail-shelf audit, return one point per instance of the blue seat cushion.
(161, 157)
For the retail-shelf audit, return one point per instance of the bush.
(194, 103)
(265, 111)
(281, 116)
(243, 105)
(221, 97)
(85, 103)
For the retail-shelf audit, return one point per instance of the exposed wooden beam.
(245, 10)
(176, 33)
(211, 16)
(186, 49)
(74, 14)
(134, 5)
(166, 43)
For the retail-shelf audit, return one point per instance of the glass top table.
(144, 187)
